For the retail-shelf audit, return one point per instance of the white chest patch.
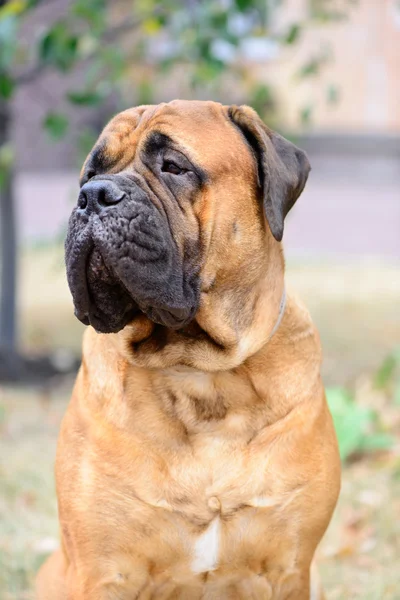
(206, 549)
(262, 501)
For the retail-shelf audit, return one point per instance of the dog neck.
(235, 403)
(259, 392)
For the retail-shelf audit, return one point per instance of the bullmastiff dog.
(197, 458)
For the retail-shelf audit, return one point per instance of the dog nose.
(99, 194)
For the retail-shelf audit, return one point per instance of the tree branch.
(30, 74)
(109, 36)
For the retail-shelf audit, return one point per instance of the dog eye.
(171, 167)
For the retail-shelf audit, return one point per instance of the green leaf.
(13, 8)
(306, 114)
(7, 156)
(91, 11)
(219, 21)
(376, 441)
(59, 47)
(332, 94)
(3, 179)
(151, 26)
(85, 97)
(293, 34)
(6, 161)
(350, 420)
(47, 46)
(311, 68)
(355, 425)
(262, 99)
(56, 125)
(86, 141)
(6, 86)
(387, 369)
(243, 5)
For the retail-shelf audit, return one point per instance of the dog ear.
(282, 167)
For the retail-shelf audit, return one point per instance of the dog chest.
(211, 521)
(231, 558)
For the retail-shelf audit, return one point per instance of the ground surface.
(356, 308)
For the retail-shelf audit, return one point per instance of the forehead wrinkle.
(121, 138)
(128, 122)
(164, 141)
(201, 131)
(117, 144)
(158, 125)
(196, 129)
(217, 149)
(205, 133)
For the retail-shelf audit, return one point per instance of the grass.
(358, 558)
(29, 424)
(356, 311)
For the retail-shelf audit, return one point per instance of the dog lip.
(88, 312)
(79, 251)
(83, 317)
(77, 278)
(99, 322)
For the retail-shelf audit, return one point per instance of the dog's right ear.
(282, 167)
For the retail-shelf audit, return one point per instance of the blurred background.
(325, 73)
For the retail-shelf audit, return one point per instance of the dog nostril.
(110, 195)
(102, 197)
(82, 201)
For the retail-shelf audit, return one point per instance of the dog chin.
(109, 307)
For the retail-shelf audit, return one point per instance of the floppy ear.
(282, 167)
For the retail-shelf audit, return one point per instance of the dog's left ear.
(282, 167)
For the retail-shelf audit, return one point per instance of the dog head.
(175, 236)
